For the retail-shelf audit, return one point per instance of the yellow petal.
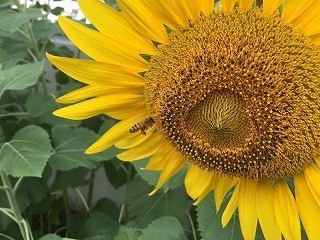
(309, 209)
(190, 9)
(124, 112)
(197, 181)
(92, 72)
(167, 12)
(115, 133)
(245, 5)
(265, 211)
(231, 207)
(160, 158)
(312, 175)
(286, 211)
(207, 6)
(222, 186)
(141, 17)
(100, 47)
(112, 23)
(135, 139)
(209, 188)
(95, 91)
(313, 27)
(143, 150)
(99, 105)
(228, 5)
(270, 6)
(293, 8)
(308, 15)
(247, 208)
(176, 162)
(316, 39)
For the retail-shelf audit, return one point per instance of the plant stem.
(14, 206)
(15, 114)
(192, 226)
(91, 187)
(33, 41)
(124, 215)
(16, 186)
(6, 236)
(66, 203)
(83, 200)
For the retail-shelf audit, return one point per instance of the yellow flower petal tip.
(90, 151)
(153, 192)
(57, 113)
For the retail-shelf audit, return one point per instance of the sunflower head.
(232, 89)
(237, 94)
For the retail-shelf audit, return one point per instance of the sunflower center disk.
(239, 95)
(220, 120)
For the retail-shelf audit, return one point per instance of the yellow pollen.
(239, 95)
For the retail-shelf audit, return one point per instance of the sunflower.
(231, 89)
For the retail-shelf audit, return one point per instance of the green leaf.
(144, 208)
(72, 178)
(4, 3)
(69, 146)
(128, 234)
(116, 176)
(45, 29)
(41, 106)
(108, 207)
(101, 224)
(20, 77)
(10, 60)
(152, 177)
(11, 20)
(51, 237)
(209, 221)
(76, 225)
(169, 228)
(27, 153)
(31, 191)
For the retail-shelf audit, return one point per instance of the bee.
(142, 126)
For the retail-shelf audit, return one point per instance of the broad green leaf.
(108, 207)
(209, 221)
(51, 237)
(4, 3)
(11, 20)
(144, 208)
(20, 77)
(11, 60)
(27, 153)
(76, 225)
(31, 191)
(70, 179)
(169, 228)
(128, 234)
(116, 176)
(101, 224)
(41, 106)
(152, 176)
(69, 146)
(44, 29)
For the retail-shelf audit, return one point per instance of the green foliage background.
(42, 157)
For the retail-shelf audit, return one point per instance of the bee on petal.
(142, 126)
